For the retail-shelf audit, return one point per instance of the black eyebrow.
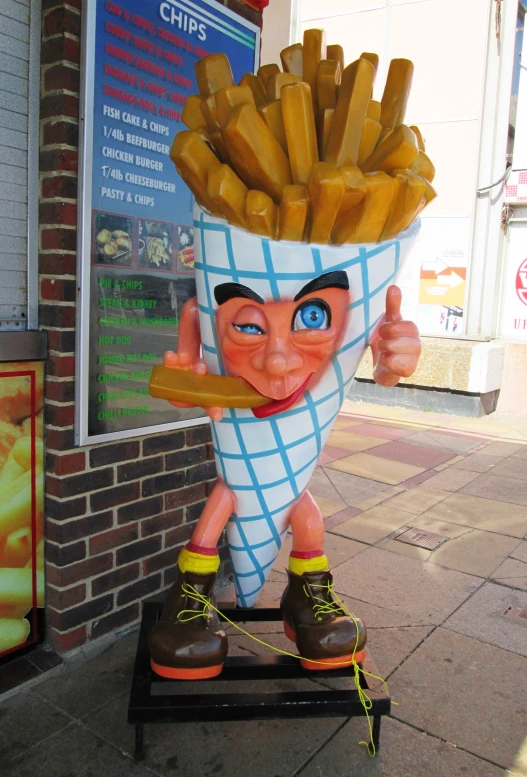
(226, 291)
(330, 280)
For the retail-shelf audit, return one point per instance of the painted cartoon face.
(280, 347)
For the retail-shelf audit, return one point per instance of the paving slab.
(453, 442)
(381, 430)
(466, 692)
(419, 455)
(352, 489)
(520, 551)
(265, 748)
(384, 470)
(353, 442)
(404, 752)
(329, 507)
(329, 454)
(485, 514)
(512, 573)
(80, 689)
(321, 485)
(497, 488)
(503, 448)
(417, 500)
(482, 617)
(476, 552)
(372, 525)
(426, 592)
(26, 720)
(342, 517)
(451, 479)
(382, 496)
(75, 752)
(478, 462)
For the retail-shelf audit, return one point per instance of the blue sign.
(136, 219)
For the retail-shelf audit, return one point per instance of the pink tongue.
(279, 405)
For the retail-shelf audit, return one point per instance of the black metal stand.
(144, 707)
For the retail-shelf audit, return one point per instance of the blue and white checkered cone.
(268, 462)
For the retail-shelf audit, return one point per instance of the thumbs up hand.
(396, 346)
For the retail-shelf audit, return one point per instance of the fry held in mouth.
(274, 128)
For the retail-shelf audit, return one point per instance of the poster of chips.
(21, 505)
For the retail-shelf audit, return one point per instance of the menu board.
(136, 249)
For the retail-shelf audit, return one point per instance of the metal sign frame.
(84, 228)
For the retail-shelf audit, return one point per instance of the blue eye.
(312, 315)
(249, 329)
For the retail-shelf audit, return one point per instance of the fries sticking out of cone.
(304, 152)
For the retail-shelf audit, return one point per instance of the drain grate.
(420, 537)
(515, 613)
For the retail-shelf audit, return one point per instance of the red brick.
(139, 469)
(198, 435)
(178, 535)
(63, 599)
(61, 511)
(114, 496)
(161, 483)
(115, 579)
(57, 264)
(68, 619)
(185, 496)
(138, 550)
(119, 618)
(64, 555)
(59, 415)
(52, 106)
(65, 465)
(57, 239)
(61, 76)
(145, 587)
(162, 443)
(58, 49)
(168, 558)
(201, 472)
(57, 315)
(110, 454)
(62, 643)
(210, 451)
(209, 487)
(60, 439)
(60, 185)
(60, 391)
(69, 531)
(138, 510)
(53, 160)
(60, 366)
(58, 289)
(92, 480)
(58, 213)
(161, 523)
(61, 340)
(193, 512)
(113, 538)
(185, 458)
(61, 20)
(65, 576)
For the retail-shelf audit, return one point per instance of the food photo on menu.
(154, 247)
(185, 250)
(113, 239)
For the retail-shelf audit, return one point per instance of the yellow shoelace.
(364, 699)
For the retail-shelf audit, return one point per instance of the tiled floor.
(439, 625)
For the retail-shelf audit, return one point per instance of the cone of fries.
(299, 175)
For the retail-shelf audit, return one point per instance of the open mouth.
(280, 405)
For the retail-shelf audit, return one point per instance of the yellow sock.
(298, 566)
(199, 563)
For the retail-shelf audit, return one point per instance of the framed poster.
(135, 251)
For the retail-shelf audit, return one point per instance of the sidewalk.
(447, 627)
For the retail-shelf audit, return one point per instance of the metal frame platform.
(145, 707)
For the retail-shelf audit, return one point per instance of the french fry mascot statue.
(287, 322)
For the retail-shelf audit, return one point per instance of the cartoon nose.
(278, 363)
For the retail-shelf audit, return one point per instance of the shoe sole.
(177, 673)
(322, 664)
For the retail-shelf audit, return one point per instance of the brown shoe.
(317, 625)
(187, 642)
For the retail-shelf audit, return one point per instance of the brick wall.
(116, 514)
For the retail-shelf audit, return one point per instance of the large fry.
(300, 130)
(326, 189)
(396, 93)
(352, 104)
(257, 156)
